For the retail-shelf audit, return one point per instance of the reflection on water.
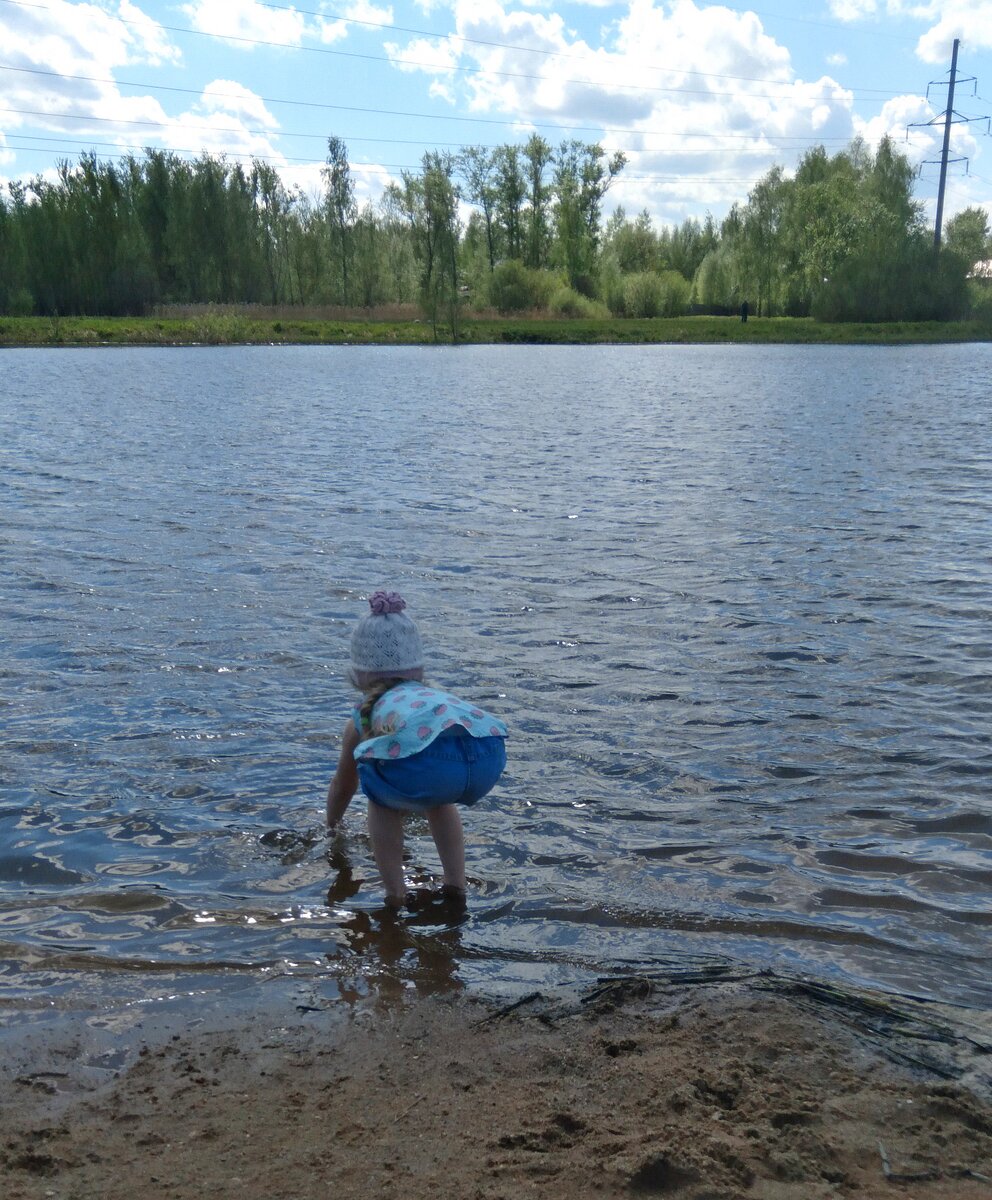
(732, 601)
(392, 951)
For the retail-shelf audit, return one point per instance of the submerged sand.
(715, 1090)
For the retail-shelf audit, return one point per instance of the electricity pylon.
(949, 117)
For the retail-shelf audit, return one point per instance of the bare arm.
(345, 782)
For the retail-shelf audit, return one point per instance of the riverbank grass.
(237, 328)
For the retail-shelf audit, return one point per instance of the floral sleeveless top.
(411, 715)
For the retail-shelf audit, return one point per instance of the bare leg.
(446, 830)
(386, 832)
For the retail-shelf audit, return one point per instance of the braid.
(373, 694)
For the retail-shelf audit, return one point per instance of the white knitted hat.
(386, 644)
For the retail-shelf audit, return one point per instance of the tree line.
(842, 238)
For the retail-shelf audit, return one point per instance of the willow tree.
(431, 205)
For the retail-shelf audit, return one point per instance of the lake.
(733, 603)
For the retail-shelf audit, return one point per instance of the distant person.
(745, 309)
(412, 748)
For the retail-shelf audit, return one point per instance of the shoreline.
(751, 1087)
(243, 328)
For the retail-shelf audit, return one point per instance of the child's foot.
(450, 891)
(397, 903)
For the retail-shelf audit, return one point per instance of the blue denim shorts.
(455, 768)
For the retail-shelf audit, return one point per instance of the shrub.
(980, 295)
(648, 294)
(568, 303)
(898, 283)
(512, 287)
(643, 295)
(714, 286)
(20, 304)
(677, 294)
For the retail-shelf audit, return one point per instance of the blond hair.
(372, 694)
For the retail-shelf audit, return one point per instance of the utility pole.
(948, 115)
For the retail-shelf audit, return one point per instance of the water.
(733, 603)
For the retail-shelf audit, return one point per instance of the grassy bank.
(233, 328)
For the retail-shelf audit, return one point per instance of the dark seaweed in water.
(732, 601)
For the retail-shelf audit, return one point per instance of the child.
(412, 748)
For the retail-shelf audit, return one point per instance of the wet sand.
(703, 1090)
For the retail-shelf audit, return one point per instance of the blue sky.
(703, 98)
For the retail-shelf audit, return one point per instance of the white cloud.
(894, 121)
(370, 180)
(906, 120)
(76, 40)
(423, 54)
(149, 34)
(62, 36)
(852, 10)
(246, 19)
(223, 121)
(235, 100)
(440, 90)
(362, 11)
(837, 60)
(923, 149)
(706, 100)
(86, 45)
(550, 4)
(329, 32)
(969, 20)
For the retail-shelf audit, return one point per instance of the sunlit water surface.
(732, 602)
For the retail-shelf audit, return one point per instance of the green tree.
(715, 285)
(478, 167)
(511, 191)
(538, 156)
(273, 228)
(759, 259)
(633, 244)
(966, 234)
(582, 176)
(684, 247)
(340, 206)
(431, 203)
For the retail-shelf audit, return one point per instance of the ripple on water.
(741, 645)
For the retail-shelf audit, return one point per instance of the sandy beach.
(708, 1089)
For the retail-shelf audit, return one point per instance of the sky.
(702, 98)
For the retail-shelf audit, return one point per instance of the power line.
(800, 143)
(875, 33)
(386, 112)
(458, 37)
(949, 117)
(127, 152)
(478, 70)
(673, 151)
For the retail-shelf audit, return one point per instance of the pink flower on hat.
(383, 602)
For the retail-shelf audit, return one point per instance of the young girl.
(412, 748)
